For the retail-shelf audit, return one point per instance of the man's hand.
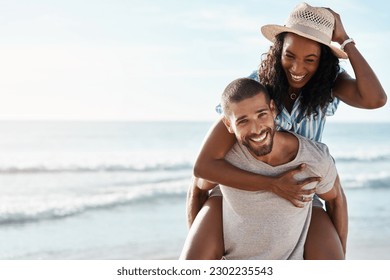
(337, 210)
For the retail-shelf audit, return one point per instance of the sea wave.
(52, 207)
(374, 180)
(80, 168)
(362, 157)
(148, 166)
(58, 206)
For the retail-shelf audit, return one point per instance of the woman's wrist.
(270, 183)
(346, 42)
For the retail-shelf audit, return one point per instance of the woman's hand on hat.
(339, 33)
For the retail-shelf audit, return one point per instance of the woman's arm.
(211, 166)
(365, 91)
(211, 169)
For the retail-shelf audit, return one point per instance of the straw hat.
(310, 22)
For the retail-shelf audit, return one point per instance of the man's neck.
(284, 150)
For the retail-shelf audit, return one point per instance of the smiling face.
(300, 59)
(252, 121)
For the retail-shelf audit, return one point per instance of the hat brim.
(270, 31)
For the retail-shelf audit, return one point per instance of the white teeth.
(259, 138)
(297, 78)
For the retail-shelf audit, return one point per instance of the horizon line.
(165, 120)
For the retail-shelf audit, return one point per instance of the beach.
(117, 190)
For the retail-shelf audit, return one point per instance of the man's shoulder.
(313, 148)
(318, 159)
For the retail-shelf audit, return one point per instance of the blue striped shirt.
(308, 126)
(297, 121)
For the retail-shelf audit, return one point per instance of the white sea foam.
(61, 204)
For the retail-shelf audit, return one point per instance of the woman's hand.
(287, 187)
(339, 33)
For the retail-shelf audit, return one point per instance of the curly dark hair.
(316, 93)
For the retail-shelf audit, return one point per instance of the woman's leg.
(327, 237)
(322, 242)
(205, 237)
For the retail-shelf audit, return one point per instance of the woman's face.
(300, 59)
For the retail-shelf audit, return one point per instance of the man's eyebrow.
(257, 112)
(241, 118)
(261, 110)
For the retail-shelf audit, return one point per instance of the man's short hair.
(241, 89)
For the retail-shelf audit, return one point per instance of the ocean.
(117, 190)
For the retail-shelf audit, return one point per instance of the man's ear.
(227, 123)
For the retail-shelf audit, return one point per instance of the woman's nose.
(296, 67)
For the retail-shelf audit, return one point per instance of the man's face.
(252, 121)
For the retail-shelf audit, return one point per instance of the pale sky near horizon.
(153, 60)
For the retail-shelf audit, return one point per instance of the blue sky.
(153, 60)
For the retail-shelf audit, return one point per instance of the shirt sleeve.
(332, 107)
(254, 76)
(216, 191)
(328, 178)
(218, 109)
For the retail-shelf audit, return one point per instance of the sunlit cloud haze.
(152, 60)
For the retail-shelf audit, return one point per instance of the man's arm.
(336, 207)
(337, 210)
(196, 197)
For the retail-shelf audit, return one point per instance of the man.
(260, 224)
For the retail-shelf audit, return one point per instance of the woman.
(302, 73)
